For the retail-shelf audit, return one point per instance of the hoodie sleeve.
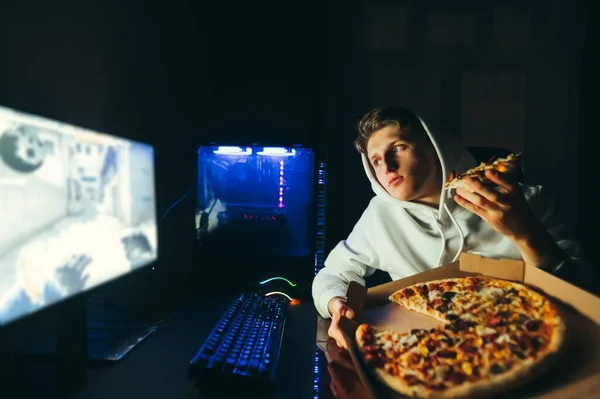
(350, 260)
(578, 270)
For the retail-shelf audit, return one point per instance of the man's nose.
(391, 166)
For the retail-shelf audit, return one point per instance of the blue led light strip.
(321, 194)
(316, 376)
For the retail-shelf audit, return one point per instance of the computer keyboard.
(245, 343)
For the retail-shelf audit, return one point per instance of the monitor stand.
(73, 348)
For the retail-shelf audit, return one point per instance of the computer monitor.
(78, 209)
(257, 211)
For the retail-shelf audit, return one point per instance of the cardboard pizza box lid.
(580, 363)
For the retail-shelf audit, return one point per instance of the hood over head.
(453, 156)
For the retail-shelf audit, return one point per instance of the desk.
(158, 367)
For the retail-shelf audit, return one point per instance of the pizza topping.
(467, 368)
(433, 295)
(423, 348)
(451, 176)
(503, 339)
(496, 369)
(447, 354)
(373, 360)
(411, 340)
(451, 316)
(449, 295)
(422, 290)
(468, 317)
(461, 325)
(437, 302)
(443, 309)
(494, 321)
(412, 380)
(537, 343)
(438, 387)
(490, 337)
(533, 325)
(471, 345)
(483, 330)
(455, 378)
(491, 292)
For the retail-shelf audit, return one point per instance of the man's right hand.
(337, 308)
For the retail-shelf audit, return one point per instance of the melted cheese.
(468, 317)
(435, 294)
(467, 368)
(503, 339)
(412, 340)
(482, 330)
(491, 292)
(440, 372)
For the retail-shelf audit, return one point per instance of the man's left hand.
(503, 207)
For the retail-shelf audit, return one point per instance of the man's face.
(407, 167)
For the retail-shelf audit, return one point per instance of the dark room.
(363, 199)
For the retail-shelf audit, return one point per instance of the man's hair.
(377, 119)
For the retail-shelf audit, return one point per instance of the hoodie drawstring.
(460, 233)
(443, 240)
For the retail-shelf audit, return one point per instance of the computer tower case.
(260, 213)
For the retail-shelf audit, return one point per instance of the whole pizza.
(494, 334)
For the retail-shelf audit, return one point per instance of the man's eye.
(399, 148)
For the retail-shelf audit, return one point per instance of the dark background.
(514, 74)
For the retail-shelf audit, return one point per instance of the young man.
(412, 225)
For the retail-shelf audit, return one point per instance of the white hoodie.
(404, 238)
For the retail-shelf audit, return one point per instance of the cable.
(174, 204)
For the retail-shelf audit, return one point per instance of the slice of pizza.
(439, 299)
(504, 165)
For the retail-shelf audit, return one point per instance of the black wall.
(184, 71)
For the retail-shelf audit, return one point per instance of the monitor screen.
(256, 203)
(78, 209)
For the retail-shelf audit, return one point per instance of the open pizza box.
(576, 373)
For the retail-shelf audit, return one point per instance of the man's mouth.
(395, 180)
